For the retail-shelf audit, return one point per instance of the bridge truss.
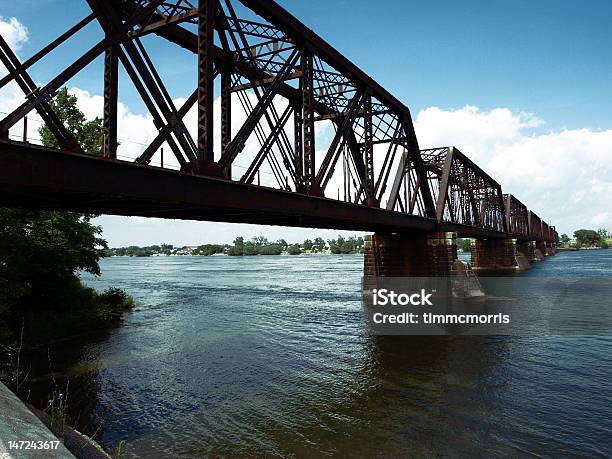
(278, 87)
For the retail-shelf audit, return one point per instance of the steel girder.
(320, 84)
(281, 73)
(517, 216)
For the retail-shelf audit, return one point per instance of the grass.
(119, 452)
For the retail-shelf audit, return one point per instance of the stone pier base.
(541, 247)
(413, 255)
(528, 249)
(495, 255)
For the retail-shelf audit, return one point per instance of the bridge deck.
(37, 177)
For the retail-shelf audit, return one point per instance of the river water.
(268, 356)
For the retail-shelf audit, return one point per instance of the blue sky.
(522, 87)
(546, 57)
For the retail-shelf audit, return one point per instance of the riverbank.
(575, 249)
(22, 433)
(23, 428)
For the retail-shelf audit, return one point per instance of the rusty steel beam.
(42, 178)
(206, 17)
(238, 143)
(517, 219)
(308, 135)
(259, 62)
(327, 167)
(111, 98)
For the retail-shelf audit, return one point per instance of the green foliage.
(41, 255)
(587, 238)
(87, 133)
(116, 299)
(238, 248)
(318, 245)
(271, 249)
(350, 245)
(209, 249)
(131, 251)
(307, 244)
(565, 239)
(119, 452)
(42, 252)
(464, 244)
(294, 249)
(258, 245)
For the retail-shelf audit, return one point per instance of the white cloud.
(16, 35)
(133, 130)
(14, 32)
(564, 176)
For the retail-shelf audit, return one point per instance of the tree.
(307, 244)
(294, 249)
(87, 133)
(603, 233)
(335, 245)
(42, 252)
(587, 238)
(318, 244)
(464, 244)
(238, 248)
(250, 248)
(565, 239)
(208, 249)
(260, 241)
(271, 249)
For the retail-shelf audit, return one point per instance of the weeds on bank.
(10, 364)
(119, 452)
(57, 405)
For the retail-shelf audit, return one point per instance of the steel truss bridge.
(276, 84)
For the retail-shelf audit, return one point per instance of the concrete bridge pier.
(410, 255)
(428, 255)
(528, 250)
(497, 255)
(542, 249)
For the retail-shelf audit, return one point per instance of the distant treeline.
(258, 245)
(585, 238)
